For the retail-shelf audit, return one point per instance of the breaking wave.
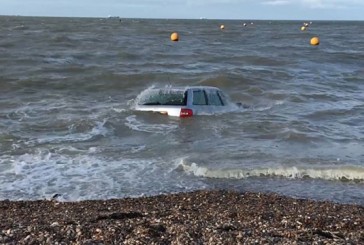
(342, 173)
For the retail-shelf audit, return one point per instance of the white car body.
(183, 101)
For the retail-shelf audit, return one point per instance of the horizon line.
(165, 18)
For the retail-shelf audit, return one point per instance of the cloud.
(277, 2)
(212, 2)
(332, 4)
(317, 4)
(344, 9)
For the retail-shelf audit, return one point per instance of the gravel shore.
(201, 217)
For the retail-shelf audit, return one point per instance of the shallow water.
(67, 123)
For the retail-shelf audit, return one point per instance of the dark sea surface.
(67, 124)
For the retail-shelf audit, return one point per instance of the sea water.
(67, 124)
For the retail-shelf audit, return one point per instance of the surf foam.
(343, 173)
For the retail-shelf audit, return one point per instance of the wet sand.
(202, 217)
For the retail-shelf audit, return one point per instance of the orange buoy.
(174, 37)
(222, 27)
(315, 41)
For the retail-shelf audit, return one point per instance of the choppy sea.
(68, 127)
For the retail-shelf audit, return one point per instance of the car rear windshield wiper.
(174, 103)
(152, 103)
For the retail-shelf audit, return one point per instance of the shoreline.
(200, 217)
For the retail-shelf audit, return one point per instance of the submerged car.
(184, 101)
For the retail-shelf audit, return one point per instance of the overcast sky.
(190, 9)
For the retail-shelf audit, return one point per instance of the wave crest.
(342, 173)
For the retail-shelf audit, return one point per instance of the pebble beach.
(200, 217)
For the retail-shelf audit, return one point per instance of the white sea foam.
(144, 93)
(99, 129)
(267, 107)
(75, 177)
(119, 110)
(353, 173)
(133, 123)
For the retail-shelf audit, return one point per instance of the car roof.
(185, 88)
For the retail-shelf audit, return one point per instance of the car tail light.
(186, 112)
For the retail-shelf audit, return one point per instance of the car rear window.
(164, 97)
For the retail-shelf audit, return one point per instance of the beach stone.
(200, 217)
